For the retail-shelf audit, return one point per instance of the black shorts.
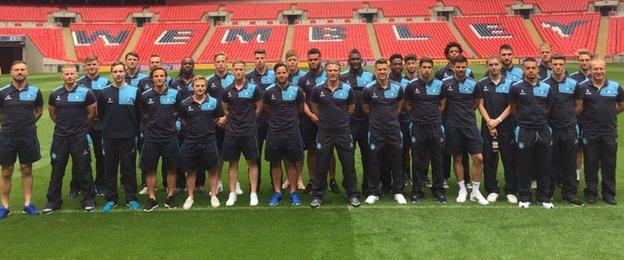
(26, 148)
(233, 145)
(284, 146)
(152, 151)
(308, 137)
(220, 133)
(460, 140)
(199, 156)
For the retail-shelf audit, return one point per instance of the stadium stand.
(264, 11)
(329, 10)
(104, 13)
(172, 13)
(172, 41)
(26, 13)
(553, 6)
(334, 41)
(485, 34)
(480, 7)
(568, 32)
(422, 39)
(49, 41)
(239, 42)
(616, 35)
(393, 9)
(107, 41)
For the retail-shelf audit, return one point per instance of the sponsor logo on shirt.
(150, 101)
(110, 101)
(8, 97)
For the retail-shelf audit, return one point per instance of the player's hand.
(493, 123)
(493, 132)
(222, 121)
(314, 118)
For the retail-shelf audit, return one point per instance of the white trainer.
(214, 202)
(371, 199)
(477, 197)
(400, 199)
(534, 185)
(524, 205)
(231, 199)
(548, 205)
(188, 203)
(461, 197)
(492, 197)
(512, 199)
(238, 189)
(143, 191)
(253, 199)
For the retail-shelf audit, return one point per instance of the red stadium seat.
(264, 11)
(107, 41)
(553, 6)
(568, 32)
(104, 13)
(239, 42)
(329, 10)
(26, 13)
(172, 41)
(397, 9)
(486, 34)
(616, 35)
(49, 41)
(334, 41)
(423, 39)
(480, 7)
(182, 12)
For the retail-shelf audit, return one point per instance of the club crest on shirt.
(130, 100)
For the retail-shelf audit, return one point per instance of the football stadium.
(365, 129)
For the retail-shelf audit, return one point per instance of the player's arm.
(442, 106)
(258, 107)
(364, 101)
(91, 112)
(226, 108)
(38, 106)
(52, 113)
(351, 103)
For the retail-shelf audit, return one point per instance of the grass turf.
(335, 230)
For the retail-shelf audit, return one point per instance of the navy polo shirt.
(599, 107)
(425, 98)
(333, 108)
(311, 80)
(118, 111)
(217, 84)
(531, 103)
(161, 114)
(96, 84)
(263, 81)
(284, 104)
(579, 76)
(294, 78)
(564, 94)
(383, 118)
(403, 81)
(18, 110)
(200, 119)
(183, 87)
(134, 81)
(460, 102)
(513, 73)
(544, 71)
(241, 108)
(147, 83)
(446, 72)
(71, 110)
(496, 99)
(358, 81)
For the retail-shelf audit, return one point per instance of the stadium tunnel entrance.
(9, 51)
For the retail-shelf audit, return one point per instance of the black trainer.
(575, 201)
(170, 203)
(88, 205)
(609, 200)
(333, 186)
(308, 188)
(591, 199)
(354, 201)
(150, 205)
(440, 198)
(50, 207)
(316, 203)
(417, 197)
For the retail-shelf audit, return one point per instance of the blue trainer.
(294, 199)
(275, 199)
(134, 205)
(31, 210)
(4, 212)
(109, 206)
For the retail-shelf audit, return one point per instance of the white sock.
(462, 186)
(475, 186)
(578, 174)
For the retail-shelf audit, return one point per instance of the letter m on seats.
(260, 35)
(81, 38)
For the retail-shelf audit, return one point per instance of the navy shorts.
(199, 156)
(25, 148)
(284, 146)
(234, 145)
(460, 140)
(152, 151)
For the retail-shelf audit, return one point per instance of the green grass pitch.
(426, 230)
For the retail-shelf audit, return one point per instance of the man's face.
(117, 74)
(187, 65)
(292, 63)
(355, 61)
(314, 61)
(411, 66)
(459, 68)
(381, 71)
(494, 67)
(281, 74)
(132, 62)
(220, 63)
(154, 62)
(546, 53)
(260, 60)
(159, 77)
(92, 67)
(426, 69)
(558, 66)
(69, 75)
(529, 69)
(506, 57)
(583, 61)
(19, 72)
(199, 87)
(397, 66)
(333, 72)
(239, 71)
(598, 70)
(452, 53)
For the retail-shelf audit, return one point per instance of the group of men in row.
(529, 116)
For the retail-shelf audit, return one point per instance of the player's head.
(355, 59)
(598, 68)
(238, 69)
(281, 73)
(292, 60)
(584, 56)
(425, 68)
(220, 62)
(187, 65)
(314, 59)
(460, 64)
(91, 64)
(158, 76)
(493, 65)
(332, 69)
(69, 72)
(505, 52)
(546, 52)
(260, 58)
(411, 62)
(452, 50)
(558, 64)
(396, 63)
(529, 68)
(132, 60)
(381, 69)
(199, 85)
(154, 61)
(19, 71)
(117, 72)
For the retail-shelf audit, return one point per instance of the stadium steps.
(603, 37)
(372, 37)
(70, 50)
(461, 39)
(537, 38)
(204, 42)
(290, 34)
(133, 42)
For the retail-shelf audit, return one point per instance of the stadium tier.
(172, 41)
(334, 41)
(568, 32)
(173, 13)
(49, 41)
(104, 13)
(329, 10)
(264, 11)
(239, 42)
(616, 35)
(555, 6)
(26, 13)
(422, 39)
(480, 7)
(486, 34)
(394, 9)
(107, 41)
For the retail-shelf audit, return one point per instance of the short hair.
(460, 58)
(18, 62)
(291, 53)
(425, 60)
(157, 69)
(314, 51)
(492, 58)
(68, 66)
(117, 63)
(90, 58)
(584, 51)
(131, 53)
(187, 57)
(278, 65)
(529, 59)
(154, 56)
(395, 56)
(355, 51)
(198, 78)
(410, 57)
(558, 57)
(381, 61)
(545, 44)
(505, 47)
(259, 51)
(595, 60)
(450, 45)
(220, 53)
(332, 62)
(239, 62)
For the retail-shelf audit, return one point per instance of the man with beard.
(508, 70)
(411, 67)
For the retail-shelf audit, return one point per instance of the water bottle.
(495, 143)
